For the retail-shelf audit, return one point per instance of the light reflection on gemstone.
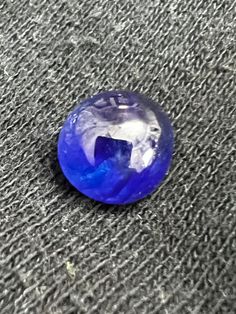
(116, 147)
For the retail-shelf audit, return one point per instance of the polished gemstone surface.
(116, 147)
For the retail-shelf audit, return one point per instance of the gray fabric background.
(173, 252)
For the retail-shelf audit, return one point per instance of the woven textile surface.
(173, 252)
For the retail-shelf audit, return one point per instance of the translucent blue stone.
(116, 147)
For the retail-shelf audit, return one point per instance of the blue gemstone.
(116, 147)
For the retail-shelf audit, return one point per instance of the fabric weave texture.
(173, 252)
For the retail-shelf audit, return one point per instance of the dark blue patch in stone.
(118, 151)
(116, 147)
